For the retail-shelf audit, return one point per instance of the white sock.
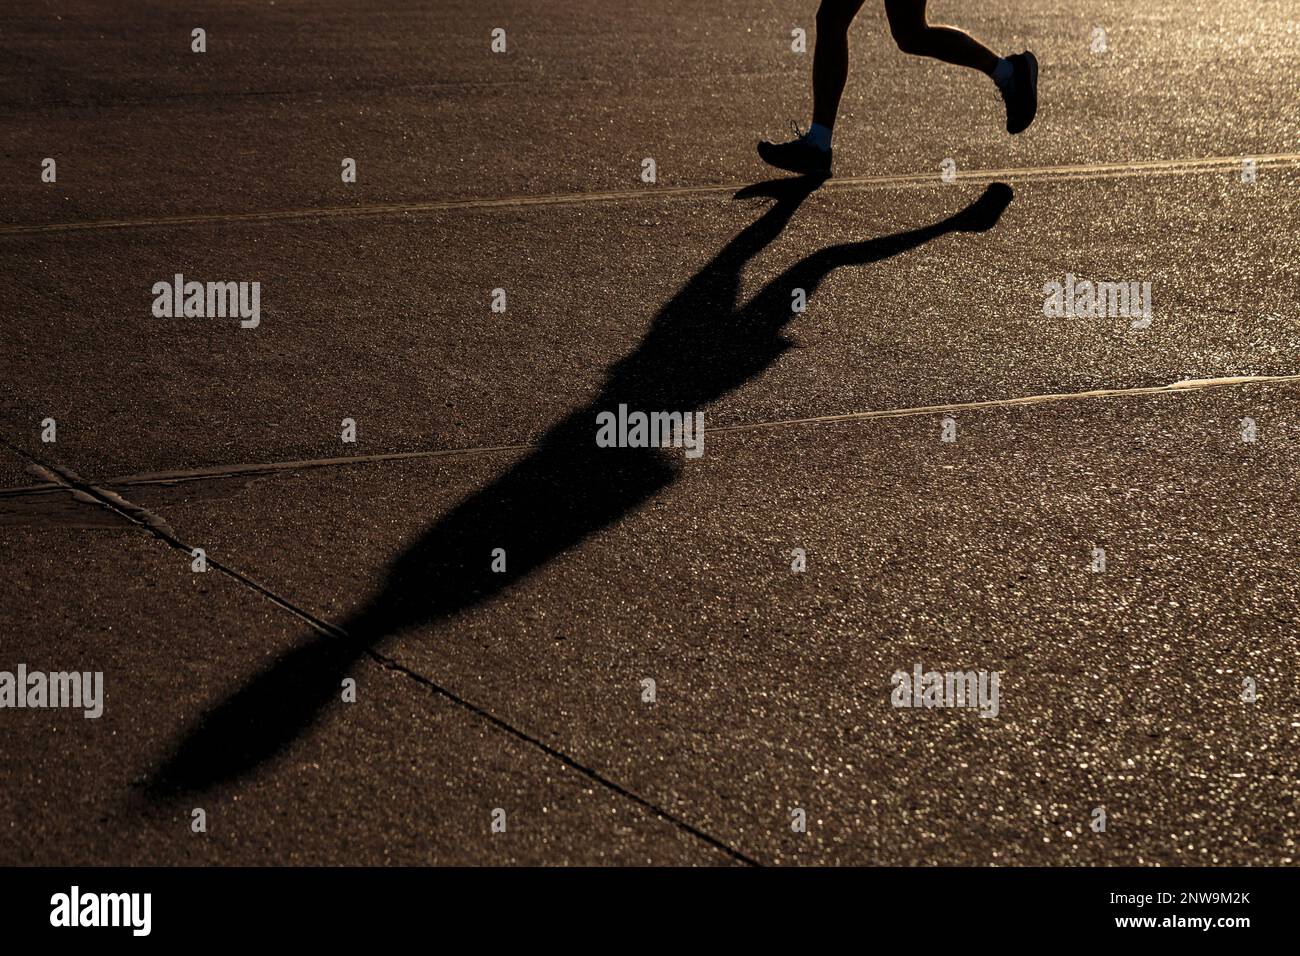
(1003, 72)
(819, 136)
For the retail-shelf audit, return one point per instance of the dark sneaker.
(800, 155)
(1021, 92)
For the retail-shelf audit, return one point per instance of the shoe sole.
(820, 171)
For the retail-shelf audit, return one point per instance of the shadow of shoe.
(786, 188)
(983, 214)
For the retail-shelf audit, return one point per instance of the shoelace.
(798, 133)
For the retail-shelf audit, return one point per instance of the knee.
(910, 37)
(907, 25)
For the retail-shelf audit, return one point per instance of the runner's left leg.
(831, 57)
(810, 153)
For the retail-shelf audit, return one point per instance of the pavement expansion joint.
(1165, 167)
(1187, 385)
(253, 469)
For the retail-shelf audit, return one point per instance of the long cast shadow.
(700, 346)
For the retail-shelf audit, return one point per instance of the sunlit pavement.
(471, 619)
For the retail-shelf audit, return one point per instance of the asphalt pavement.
(470, 635)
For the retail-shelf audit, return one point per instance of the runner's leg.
(914, 35)
(1016, 76)
(831, 57)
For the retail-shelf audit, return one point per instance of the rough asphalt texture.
(1120, 689)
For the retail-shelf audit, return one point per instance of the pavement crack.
(594, 775)
(88, 493)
